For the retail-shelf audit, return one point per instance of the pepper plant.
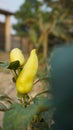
(27, 113)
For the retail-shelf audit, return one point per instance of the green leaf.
(41, 126)
(14, 65)
(19, 117)
(4, 64)
(43, 103)
(48, 115)
(46, 109)
(1, 128)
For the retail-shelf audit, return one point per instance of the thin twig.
(46, 91)
(45, 78)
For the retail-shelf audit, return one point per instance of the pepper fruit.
(16, 54)
(24, 82)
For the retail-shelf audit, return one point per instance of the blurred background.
(40, 24)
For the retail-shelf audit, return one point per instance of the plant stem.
(16, 73)
(45, 78)
(46, 91)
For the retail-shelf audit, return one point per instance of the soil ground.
(6, 84)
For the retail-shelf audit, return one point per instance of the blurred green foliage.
(42, 19)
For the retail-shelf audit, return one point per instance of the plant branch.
(44, 78)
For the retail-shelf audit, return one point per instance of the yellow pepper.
(26, 77)
(16, 54)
